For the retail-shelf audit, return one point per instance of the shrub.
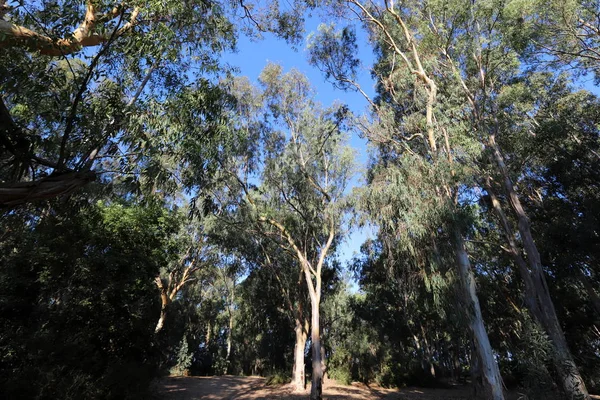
(278, 378)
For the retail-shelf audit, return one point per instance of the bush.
(78, 304)
(184, 359)
(341, 375)
(278, 378)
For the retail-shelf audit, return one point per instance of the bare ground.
(254, 388)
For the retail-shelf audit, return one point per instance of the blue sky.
(253, 55)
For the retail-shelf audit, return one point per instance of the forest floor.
(255, 388)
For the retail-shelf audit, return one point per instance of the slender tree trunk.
(571, 379)
(229, 342)
(515, 253)
(315, 336)
(298, 373)
(490, 374)
(208, 334)
(164, 299)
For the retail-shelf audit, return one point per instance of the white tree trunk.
(315, 336)
(299, 374)
(491, 379)
(229, 343)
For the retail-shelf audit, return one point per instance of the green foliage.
(278, 378)
(184, 358)
(157, 114)
(532, 359)
(341, 374)
(334, 53)
(78, 301)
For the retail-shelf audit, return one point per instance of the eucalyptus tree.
(557, 34)
(425, 166)
(558, 187)
(463, 61)
(103, 88)
(275, 275)
(194, 263)
(293, 175)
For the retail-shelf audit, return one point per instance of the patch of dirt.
(254, 388)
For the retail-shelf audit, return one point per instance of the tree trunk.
(515, 253)
(490, 375)
(571, 379)
(315, 336)
(14, 194)
(229, 343)
(164, 299)
(208, 334)
(298, 373)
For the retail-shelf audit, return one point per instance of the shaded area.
(254, 388)
(238, 387)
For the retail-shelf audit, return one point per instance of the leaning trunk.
(315, 336)
(491, 382)
(299, 375)
(164, 299)
(565, 366)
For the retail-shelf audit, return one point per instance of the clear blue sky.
(253, 56)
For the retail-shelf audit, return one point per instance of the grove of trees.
(161, 213)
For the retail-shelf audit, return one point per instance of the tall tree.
(289, 290)
(297, 199)
(196, 257)
(466, 65)
(429, 162)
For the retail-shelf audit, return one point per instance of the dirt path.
(254, 388)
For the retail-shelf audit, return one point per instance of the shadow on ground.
(254, 388)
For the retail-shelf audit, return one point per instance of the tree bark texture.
(299, 373)
(315, 336)
(164, 304)
(85, 35)
(490, 374)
